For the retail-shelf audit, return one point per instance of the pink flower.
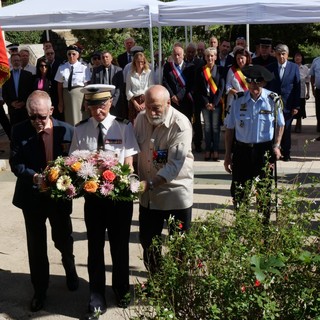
(243, 288)
(106, 188)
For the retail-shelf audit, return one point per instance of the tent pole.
(248, 36)
(186, 35)
(160, 53)
(191, 34)
(151, 47)
(47, 35)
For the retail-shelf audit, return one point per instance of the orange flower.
(108, 175)
(76, 166)
(53, 175)
(90, 186)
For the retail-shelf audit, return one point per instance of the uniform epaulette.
(123, 120)
(81, 122)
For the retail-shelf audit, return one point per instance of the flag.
(4, 62)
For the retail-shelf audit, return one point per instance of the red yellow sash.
(240, 77)
(208, 76)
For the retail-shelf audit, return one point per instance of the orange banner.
(4, 62)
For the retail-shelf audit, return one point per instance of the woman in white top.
(235, 79)
(305, 89)
(139, 79)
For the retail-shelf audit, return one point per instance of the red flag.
(4, 62)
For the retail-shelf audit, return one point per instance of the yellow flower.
(76, 166)
(90, 186)
(53, 175)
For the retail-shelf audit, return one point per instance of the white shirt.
(29, 67)
(137, 84)
(118, 137)
(80, 76)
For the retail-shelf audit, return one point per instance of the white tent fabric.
(208, 12)
(61, 14)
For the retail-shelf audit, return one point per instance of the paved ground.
(211, 191)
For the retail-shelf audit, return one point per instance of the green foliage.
(230, 269)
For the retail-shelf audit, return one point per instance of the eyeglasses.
(102, 105)
(49, 53)
(254, 80)
(71, 54)
(37, 116)
(43, 66)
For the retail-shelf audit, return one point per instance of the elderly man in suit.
(178, 79)
(108, 73)
(126, 57)
(34, 141)
(286, 83)
(16, 90)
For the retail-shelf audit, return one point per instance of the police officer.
(71, 77)
(102, 213)
(253, 134)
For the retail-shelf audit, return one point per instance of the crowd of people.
(138, 111)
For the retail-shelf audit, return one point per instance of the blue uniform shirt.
(254, 121)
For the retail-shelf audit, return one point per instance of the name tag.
(113, 141)
(265, 112)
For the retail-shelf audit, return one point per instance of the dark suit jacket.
(54, 84)
(122, 59)
(25, 87)
(25, 161)
(289, 87)
(175, 89)
(116, 78)
(200, 87)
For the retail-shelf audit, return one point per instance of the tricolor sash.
(179, 76)
(240, 77)
(208, 76)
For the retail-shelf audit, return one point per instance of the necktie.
(16, 81)
(70, 79)
(42, 148)
(100, 144)
(281, 72)
(106, 76)
(129, 58)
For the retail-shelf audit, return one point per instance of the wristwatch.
(150, 185)
(276, 146)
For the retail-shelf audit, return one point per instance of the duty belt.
(252, 145)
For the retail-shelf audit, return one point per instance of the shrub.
(231, 266)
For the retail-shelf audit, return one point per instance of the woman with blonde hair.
(139, 79)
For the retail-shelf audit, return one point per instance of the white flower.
(63, 183)
(87, 170)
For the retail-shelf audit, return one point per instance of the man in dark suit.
(54, 63)
(16, 90)
(286, 83)
(124, 58)
(178, 79)
(108, 73)
(34, 141)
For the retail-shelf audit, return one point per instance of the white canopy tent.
(94, 14)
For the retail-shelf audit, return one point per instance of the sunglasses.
(37, 116)
(254, 80)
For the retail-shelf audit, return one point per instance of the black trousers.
(61, 229)
(151, 225)
(249, 162)
(103, 214)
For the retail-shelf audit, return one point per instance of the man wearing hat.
(265, 56)
(13, 48)
(102, 213)
(95, 60)
(253, 134)
(71, 77)
(286, 83)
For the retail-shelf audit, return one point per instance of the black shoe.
(318, 139)
(72, 281)
(37, 302)
(286, 158)
(94, 315)
(124, 301)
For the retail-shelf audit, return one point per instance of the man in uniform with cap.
(103, 213)
(286, 83)
(71, 77)
(253, 134)
(265, 56)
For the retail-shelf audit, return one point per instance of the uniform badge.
(243, 107)
(113, 141)
(265, 111)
